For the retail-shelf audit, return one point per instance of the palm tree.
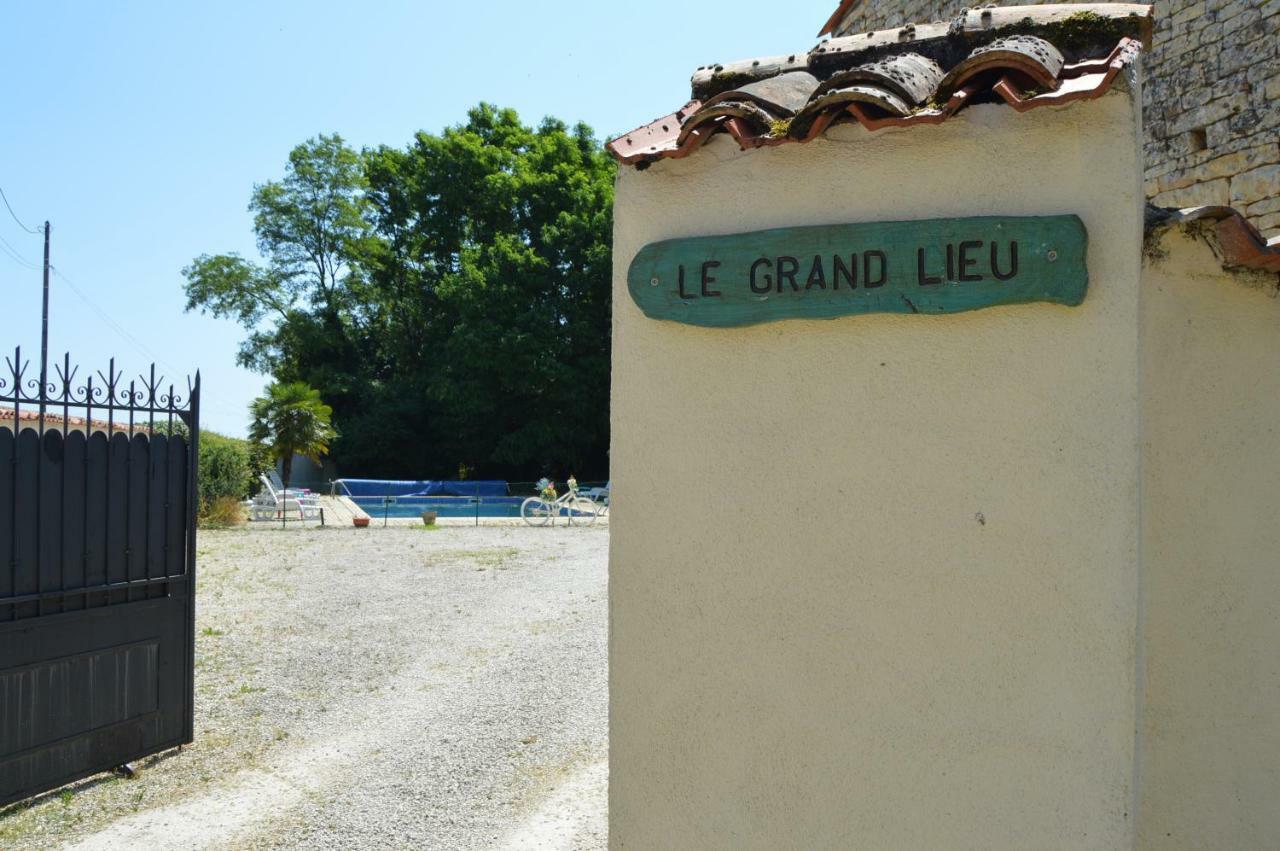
(291, 420)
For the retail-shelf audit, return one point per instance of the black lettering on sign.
(1013, 262)
(768, 279)
(796, 272)
(923, 277)
(787, 268)
(882, 269)
(680, 284)
(707, 280)
(966, 261)
(817, 277)
(838, 269)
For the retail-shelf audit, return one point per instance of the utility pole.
(44, 331)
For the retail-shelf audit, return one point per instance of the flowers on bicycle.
(547, 490)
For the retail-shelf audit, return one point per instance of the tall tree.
(311, 230)
(504, 231)
(291, 420)
(451, 297)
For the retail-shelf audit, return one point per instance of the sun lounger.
(275, 503)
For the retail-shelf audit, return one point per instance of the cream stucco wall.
(874, 580)
(1210, 746)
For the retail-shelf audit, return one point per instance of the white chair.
(600, 495)
(274, 503)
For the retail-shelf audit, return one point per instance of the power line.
(13, 255)
(15, 215)
(137, 344)
(102, 314)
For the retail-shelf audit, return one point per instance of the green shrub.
(229, 469)
(225, 470)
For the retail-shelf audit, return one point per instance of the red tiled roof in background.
(52, 420)
(1025, 56)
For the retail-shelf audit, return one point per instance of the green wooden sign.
(927, 266)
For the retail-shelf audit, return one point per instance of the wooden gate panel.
(97, 565)
(50, 546)
(7, 468)
(73, 516)
(136, 552)
(176, 494)
(117, 517)
(70, 706)
(25, 541)
(95, 518)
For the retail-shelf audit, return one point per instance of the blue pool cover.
(404, 487)
(444, 506)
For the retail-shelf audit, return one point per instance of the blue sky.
(138, 130)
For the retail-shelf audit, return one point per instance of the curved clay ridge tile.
(858, 42)
(909, 76)
(1083, 80)
(743, 111)
(806, 127)
(693, 141)
(1034, 58)
(763, 111)
(709, 79)
(895, 86)
(877, 96)
(783, 95)
(1242, 243)
(759, 104)
(924, 116)
(654, 138)
(974, 21)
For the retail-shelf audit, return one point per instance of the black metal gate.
(97, 569)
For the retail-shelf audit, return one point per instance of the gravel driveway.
(375, 689)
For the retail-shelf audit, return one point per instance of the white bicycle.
(539, 510)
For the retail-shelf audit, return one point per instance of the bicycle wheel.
(582, 510)
(536, 511)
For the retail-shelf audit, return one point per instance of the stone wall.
(1211, 98)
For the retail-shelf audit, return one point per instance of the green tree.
(451, 297)
(310, 230)
(229, 467)
(497, 255)
(291, 420)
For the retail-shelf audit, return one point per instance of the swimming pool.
(443, 506)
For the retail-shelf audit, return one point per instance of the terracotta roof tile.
(1025, 56)
(1053, 20)
(652, 138)
(55, 421)
(909, 76)
(1032, 59)
(1242, 244)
